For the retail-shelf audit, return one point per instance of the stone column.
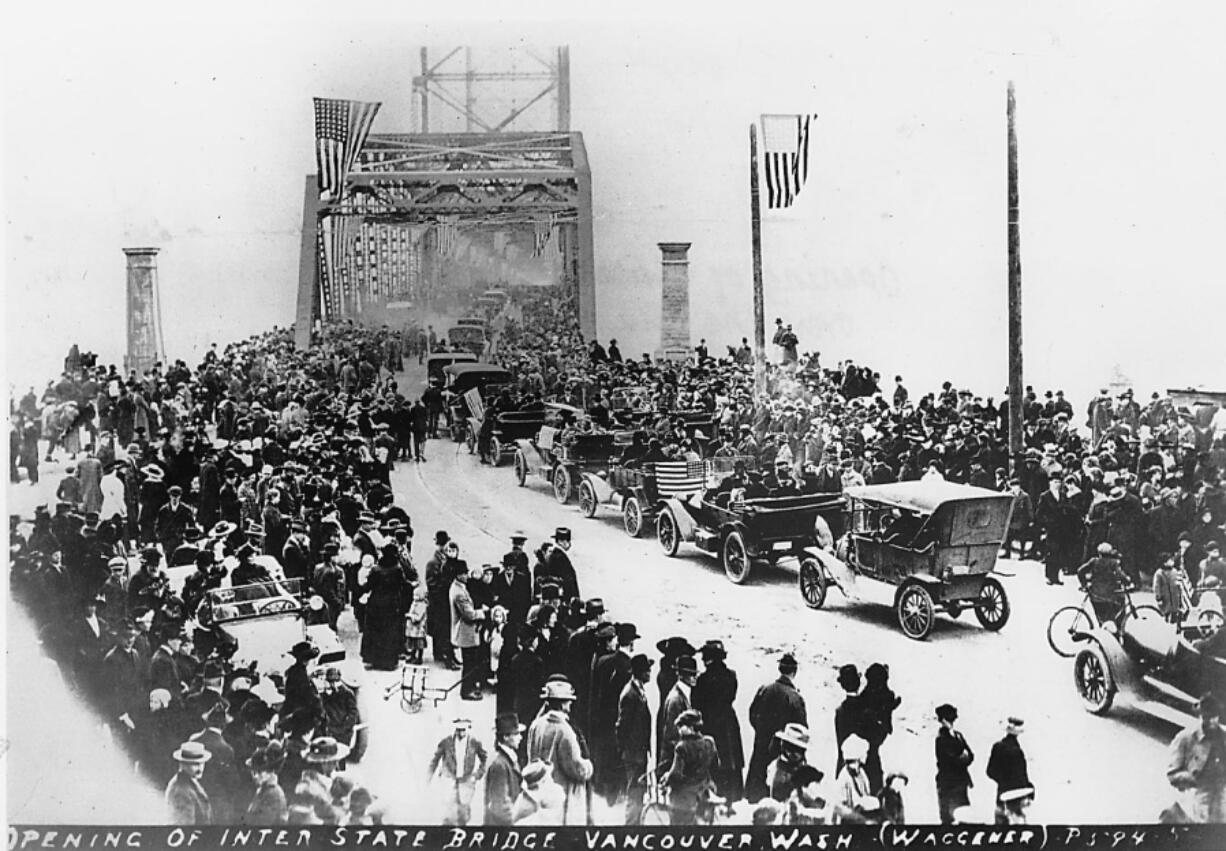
(675, 301)
(144, 335)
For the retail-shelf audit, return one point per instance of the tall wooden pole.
(759, 314)
(1016, 402)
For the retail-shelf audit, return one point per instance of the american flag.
(341, 127)
(785, 147)
(544, 230)
(675, 478)
(446, 236)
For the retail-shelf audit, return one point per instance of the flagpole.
(1015, 293)
(759, 315)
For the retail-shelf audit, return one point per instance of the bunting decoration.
(341, 128)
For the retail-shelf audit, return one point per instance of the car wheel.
(562, 484)
(495, 451)
(915, 611)
(521, 468)
(1067, 629)
(470, 441)
(667, 533)
(587, 499)
(632, 516)
(812, 583)
(1092, 676)
(737, 564)
(992, 607)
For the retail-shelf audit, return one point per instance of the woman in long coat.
(713, 696)
(383, 633)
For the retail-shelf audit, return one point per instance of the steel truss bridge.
(417, 210)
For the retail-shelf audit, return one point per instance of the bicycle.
(1070, 625)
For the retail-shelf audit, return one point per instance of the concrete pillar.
(675, 301)
(144, 323)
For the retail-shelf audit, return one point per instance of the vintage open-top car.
(461, 378)
(1145, 662)
(468, 337)
(560, 454)
(638, 490)
(509, 428)
(266, 619)
(935, 542)
(744, 532)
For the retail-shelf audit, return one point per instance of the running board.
(1166, 713)
(1169, 690)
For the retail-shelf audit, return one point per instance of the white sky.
(193, 133)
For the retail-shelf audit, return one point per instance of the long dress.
(383, 632)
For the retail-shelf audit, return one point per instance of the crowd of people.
(268, 462)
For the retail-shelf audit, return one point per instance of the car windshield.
(257, 600)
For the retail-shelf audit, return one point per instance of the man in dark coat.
(610, 674)
(582, 650)
(125, 678)
(173, 518)
(504, 777)
(210, 490)
(954, 757)
(675, 702)
(438, 585)
(714, 694)
(521, 691)
(558, 566)
(1007, 767)
(775, 706)
(849, 717)
(223, 782)
(633, 731)
(1060, 521)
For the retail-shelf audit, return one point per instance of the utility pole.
(425, 91)
(1016, 402)
(759, 312)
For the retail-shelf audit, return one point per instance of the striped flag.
(341, 127)
(785, 147)
(676, 478)
(540, 239)
(446, 236)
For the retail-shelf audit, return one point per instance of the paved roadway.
(1085, 768)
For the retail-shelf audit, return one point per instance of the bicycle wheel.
(1064, 626)
(1147, 612)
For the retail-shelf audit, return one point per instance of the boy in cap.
(688, 777)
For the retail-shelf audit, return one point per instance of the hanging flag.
(341, 127)
(445, 236)
(785, 145)
(543, 232)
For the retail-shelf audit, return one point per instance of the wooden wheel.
(587, 499)
(632, 516)
(812, 583)
(521, 468)
(915, 611)
(563, 485)
(992, 605)
(737, 563)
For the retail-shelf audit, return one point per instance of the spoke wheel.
(587, 499)
(632, 517)
(1092, 676)
(737, 564)
(812, 583)
(992, 607)
(1067, 629)
(667, 533)
(916, 613)
(563, 487)
(495, 451)
(521, 468)
(470, 441)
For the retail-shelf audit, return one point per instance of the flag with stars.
(341, 128)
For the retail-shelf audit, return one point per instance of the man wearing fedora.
(459, 762)
(792, 743)
(186, 552)
(714, 693)
(223, 781)
(775, 705)
(676, 702)
(633, 730)
(186, 799)
(1007, 767)
(504, 778)
(466, 623)
(954, 757)
(553, 739)
(558, 566)
(610, 674)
